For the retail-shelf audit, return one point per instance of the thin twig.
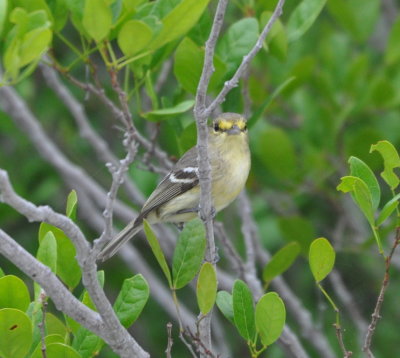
(246, 60)
(117, 175)
(170, 340)
(99, 145)
(118, 114)
(42, 324)
(376, 314)
(339, 336)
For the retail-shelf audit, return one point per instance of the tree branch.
(117, 337)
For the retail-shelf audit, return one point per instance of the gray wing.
(182, 177)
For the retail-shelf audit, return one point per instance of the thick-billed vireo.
(176, 198)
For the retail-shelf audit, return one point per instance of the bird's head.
(229, 124)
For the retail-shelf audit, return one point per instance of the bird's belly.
(182, 208)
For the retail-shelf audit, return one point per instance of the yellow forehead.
(227, 124)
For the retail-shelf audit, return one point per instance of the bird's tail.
(113, 246)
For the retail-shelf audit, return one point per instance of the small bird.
(176, 198)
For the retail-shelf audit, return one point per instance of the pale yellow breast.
(232, 167)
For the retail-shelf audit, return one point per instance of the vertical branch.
(206, 205)
(376, 314)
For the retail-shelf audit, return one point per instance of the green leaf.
(72, 203)
(302, 18)
(275, 150)
(388, 209)
(281, 261)
(179, 21)
(237, 42)
(97, 19)
(243, 310)
(55, 326)
(134, 36)
(392, 53)
(67, 266)
(3, 14)
(188, 65)
(1, 273)
(131, 300)
(49, 339)
(206, 288)
(189, 253)
(270, 317)
(15, 333)
(61, 350)
(391, 160)
(86, 343)
(225, 305)
(47, 252)
(322, 258)
(360, 193)
(171, 111)
(14, 293)
(155, 247)
(361, 170)
(33, 45)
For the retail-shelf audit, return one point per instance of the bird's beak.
(234, 130)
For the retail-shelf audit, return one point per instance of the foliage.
(323, 94)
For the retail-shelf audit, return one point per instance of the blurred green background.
(340, 95)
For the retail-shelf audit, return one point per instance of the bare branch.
(17, 109)
(117, 337)
(246, 60)
(76, 109)
(206, 204)
(376, 314)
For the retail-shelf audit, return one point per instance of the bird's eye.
(216, 127)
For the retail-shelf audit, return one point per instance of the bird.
(176, 198)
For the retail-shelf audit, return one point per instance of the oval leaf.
(86, 343)
(281, 261)
(225, 304)
(47, 252)
(14, 293)
(322, 258)
(97, 19)
(131, 300)
(243, 310)
(134, 36)
(270, 317)
(189, 253)
(67, 266)
(179, 21)
(206, 288)
(61, 350)
(303, 17)
(15, 333)
(361, 170)
(156, 248)
(238, 41)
